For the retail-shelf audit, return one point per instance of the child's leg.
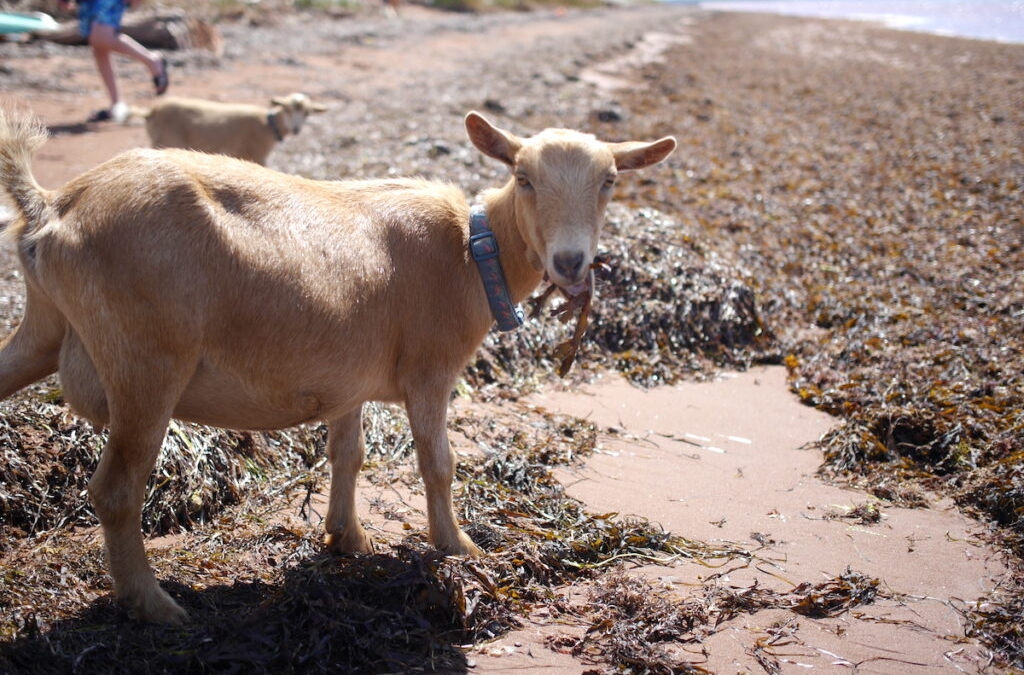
(100, 44)
(106, 40)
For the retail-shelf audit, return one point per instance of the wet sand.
(732, 461)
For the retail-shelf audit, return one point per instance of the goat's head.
(293, 111)
(564, 180)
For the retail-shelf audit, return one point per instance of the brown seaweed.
(639, 627)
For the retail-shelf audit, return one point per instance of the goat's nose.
(569, 264)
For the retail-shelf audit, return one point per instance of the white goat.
(168, 283)
(236, 129)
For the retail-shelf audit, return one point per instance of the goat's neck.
(520, 275)
(272, 122)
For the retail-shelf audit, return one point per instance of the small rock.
(609, 114)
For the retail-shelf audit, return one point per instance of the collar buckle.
(483, 246)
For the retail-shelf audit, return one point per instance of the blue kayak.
(25, 22)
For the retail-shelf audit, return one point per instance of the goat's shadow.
(366, 614)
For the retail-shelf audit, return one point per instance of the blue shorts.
(106, 12)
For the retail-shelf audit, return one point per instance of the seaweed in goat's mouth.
(566, 351)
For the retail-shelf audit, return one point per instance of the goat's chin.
(578, 288)
(574, 289)
(581, 287)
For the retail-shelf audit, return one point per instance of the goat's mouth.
(579, 287)
(584, 285)
(569, 291)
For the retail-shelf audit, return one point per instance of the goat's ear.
(316, 107)
(491, 140)
(633, 155)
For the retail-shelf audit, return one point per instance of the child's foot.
(161, 80)
(116, 113)
(119, 112)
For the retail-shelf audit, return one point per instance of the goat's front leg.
(428, 415)
(346, 450)
(117, 490)
(31, 352)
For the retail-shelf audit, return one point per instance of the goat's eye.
(609, 183)
(522, 181)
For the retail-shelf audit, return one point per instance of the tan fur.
(234, 129)
(168, 283)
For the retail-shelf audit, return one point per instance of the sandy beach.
(842, 177)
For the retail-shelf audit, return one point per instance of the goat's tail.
(20, 136)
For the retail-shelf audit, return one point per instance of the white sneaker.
(119, 112)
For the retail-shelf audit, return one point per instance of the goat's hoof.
(461, 545)
(348, 541)
(156, 606)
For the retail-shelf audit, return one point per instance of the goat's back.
(234, 129)
(287, 290)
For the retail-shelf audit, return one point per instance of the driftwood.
(166, 29)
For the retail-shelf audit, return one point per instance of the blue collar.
(483, 246)
(272, 123)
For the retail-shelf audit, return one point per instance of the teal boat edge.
(25, 22)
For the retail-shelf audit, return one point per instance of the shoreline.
(997, 22)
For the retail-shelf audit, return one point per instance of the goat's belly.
(232, 411)
(229, 404)
(224, 399)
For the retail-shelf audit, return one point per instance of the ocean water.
(998, 20)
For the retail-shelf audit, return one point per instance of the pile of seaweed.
(641, 628)
(267, 599)
(47, 456)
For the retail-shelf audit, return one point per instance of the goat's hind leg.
(32, 351)
(139, 414)
(117, 490)
(346, 450)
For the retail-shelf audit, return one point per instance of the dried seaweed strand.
(566, 351)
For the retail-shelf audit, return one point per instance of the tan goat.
(239, 130)
(167, 283)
